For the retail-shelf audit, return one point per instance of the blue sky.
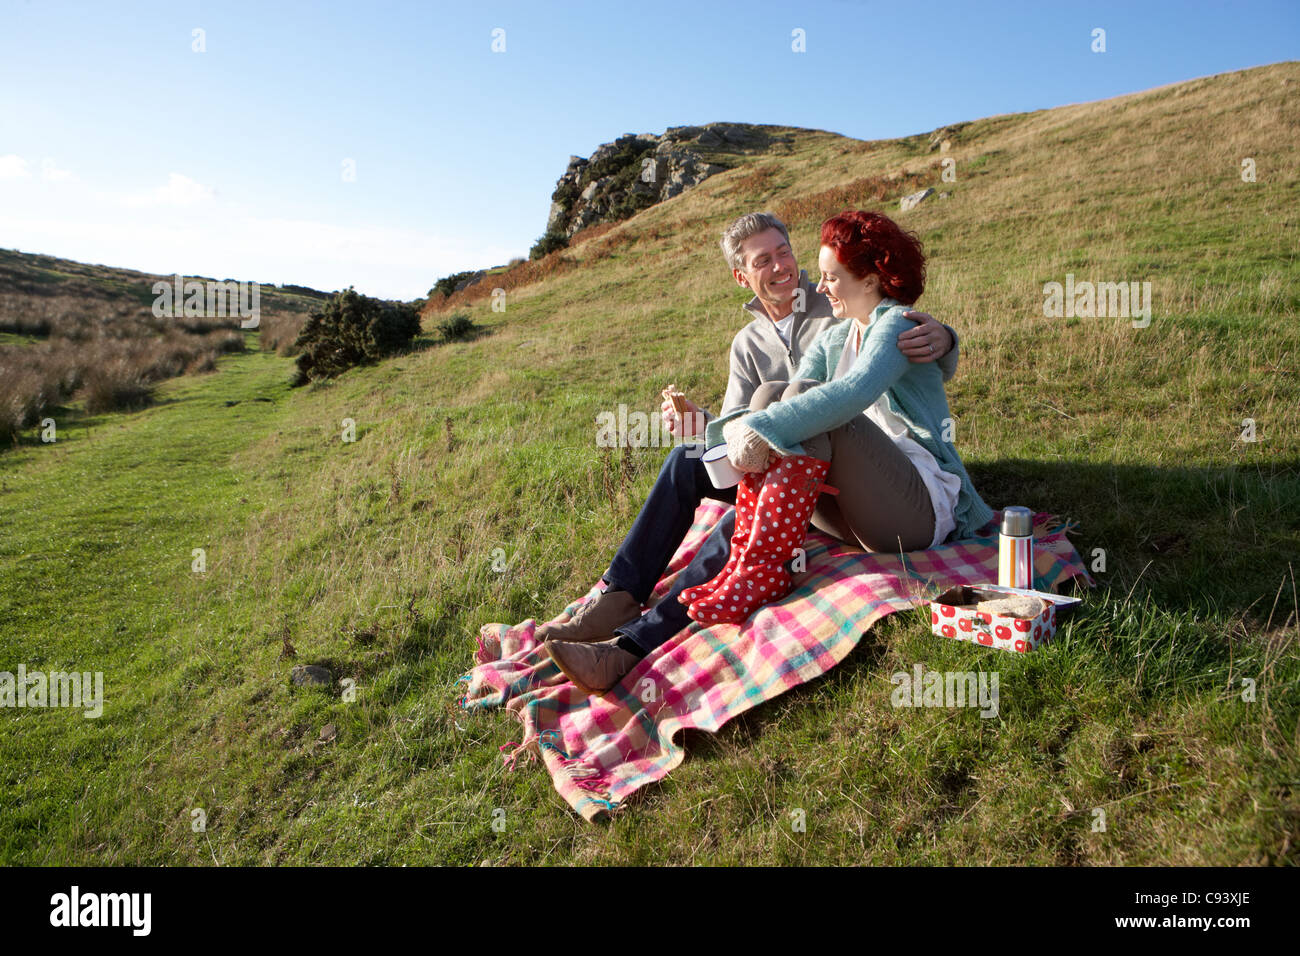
(121, 144)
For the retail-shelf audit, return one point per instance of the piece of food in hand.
(674, 395)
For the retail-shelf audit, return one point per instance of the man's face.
(769, 268)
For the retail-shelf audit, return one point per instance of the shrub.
(566, 193)
(624, 158)
(206, 362)
(352, 329)
(114, 385)
(629, 203)
(548, 243)
(25, 394)
(227, 341)
(457, 327)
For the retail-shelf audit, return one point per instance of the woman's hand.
(747, 449)
(928, 341)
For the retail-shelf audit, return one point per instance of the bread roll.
(1015, 605)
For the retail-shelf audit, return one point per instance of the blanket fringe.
(583, 775)
(461, 700)
(1049, 525)
(526, 749)
(486, 654)
(1066, 528)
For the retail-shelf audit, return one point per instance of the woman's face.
(850, 297)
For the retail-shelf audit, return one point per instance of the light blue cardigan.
(913, 391)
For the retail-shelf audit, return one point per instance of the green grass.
(17, 338)
(374, 557)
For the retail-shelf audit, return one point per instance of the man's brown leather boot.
(595, 620)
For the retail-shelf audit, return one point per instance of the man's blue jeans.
(669, 616)
(656, 534)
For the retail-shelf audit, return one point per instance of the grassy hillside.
(42, 295)
(77, 337)
(374, 557)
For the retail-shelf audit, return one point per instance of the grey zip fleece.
(758, 355)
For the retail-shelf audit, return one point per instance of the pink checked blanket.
(599, 750)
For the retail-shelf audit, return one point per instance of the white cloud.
(180, 191)
(13, 167)
(183, 191)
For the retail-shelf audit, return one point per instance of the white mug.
(721, 471)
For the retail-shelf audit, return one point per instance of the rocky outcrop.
(637, 171)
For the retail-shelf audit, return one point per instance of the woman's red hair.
(867, 242)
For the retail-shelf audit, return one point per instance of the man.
(607, 636)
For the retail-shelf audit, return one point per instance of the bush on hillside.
(25, 395)
(352, 329)
(115, 385)
(629, 203)
(566, 193)
(457, 327)
(623, 159)
(548, 243)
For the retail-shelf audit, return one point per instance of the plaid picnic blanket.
(599, 750)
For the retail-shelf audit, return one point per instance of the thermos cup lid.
(1017, 522)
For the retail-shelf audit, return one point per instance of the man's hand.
(695, 419)
(927, 342)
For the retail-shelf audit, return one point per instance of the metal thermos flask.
(1016, 550)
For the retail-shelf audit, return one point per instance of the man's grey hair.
(750, 224)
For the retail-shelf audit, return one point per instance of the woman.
(861, 418)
